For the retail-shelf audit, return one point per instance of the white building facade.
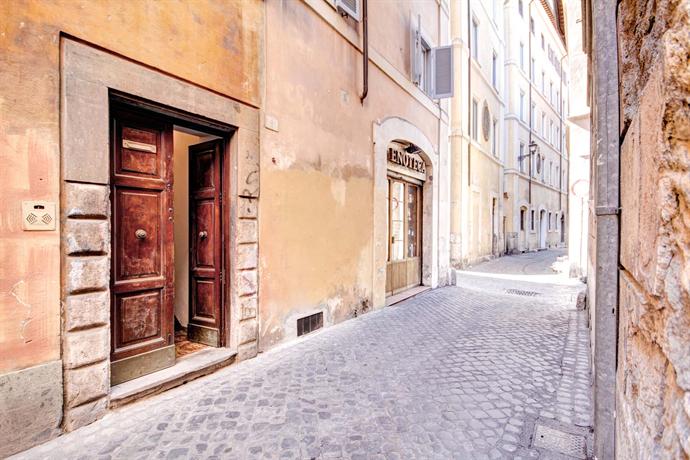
(536, 165)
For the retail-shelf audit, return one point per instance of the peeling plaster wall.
(317, 169)
(653, 377)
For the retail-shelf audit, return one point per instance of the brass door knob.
(203, 234)
(141, 234)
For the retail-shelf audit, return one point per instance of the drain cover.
(560, 441)
(521, 292)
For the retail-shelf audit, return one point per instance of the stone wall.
(653, 375)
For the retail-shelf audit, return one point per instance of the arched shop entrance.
(406, 177)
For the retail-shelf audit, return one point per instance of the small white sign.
(38, 215)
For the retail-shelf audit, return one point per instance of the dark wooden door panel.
(142, 244)
(138, 233)
(205, 263)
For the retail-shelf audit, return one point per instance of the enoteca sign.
(407, 160)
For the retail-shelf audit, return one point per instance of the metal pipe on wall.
(365, 52)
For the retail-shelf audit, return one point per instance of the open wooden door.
(142, 246)
(206, 243)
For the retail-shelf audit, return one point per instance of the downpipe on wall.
(365, 52)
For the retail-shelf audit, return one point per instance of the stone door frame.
(386, 131)
(88, 77)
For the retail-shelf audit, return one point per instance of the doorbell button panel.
(38, 215)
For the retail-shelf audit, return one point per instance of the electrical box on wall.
(38, 215)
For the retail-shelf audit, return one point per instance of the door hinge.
(222, 277)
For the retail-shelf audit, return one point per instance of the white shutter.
(415, 53)
(350, 8)
(442, 72)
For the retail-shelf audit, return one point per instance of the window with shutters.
(431, 68)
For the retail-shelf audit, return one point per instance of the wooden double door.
(142, 239)
(404, 266)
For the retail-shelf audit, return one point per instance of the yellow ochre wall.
(214, 44)
(317, 170)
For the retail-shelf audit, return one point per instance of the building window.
(532, 116)
(551, 93)
(533, 70)
(494, 71)
(558, 173)
(549, 224)
(522, 105)
(531, 25)
(520, 8)
(543, 82)
(522, 56)
(542, 41)
(551, 177)
(425, 74)
(550, 133)
(543, 125)
(494, 138)
(475, 39)
(531, 220)
(521, 157)
(558, 100)
(523, 219)
(475, 119)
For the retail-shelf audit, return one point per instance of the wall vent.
(309, 323)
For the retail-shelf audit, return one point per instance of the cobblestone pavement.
(458, 372)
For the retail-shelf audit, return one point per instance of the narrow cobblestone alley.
(463, 372)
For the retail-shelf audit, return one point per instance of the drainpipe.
(365, 52)
(605, 144)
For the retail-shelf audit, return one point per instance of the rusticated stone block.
(248, 330)
(248, 306)
(247, 351)
(248, 208)
(30, 407)
(86, 236)
(247, 283)
(247, 164)
(247, 231)
(630, 202)
(86, 347)
(247, 256)
(86, 200)
(86, 383)
(80, 416)
(87, 310)
(86, 273)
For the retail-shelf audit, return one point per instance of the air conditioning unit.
(350, 8)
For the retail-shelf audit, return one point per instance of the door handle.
(141, 234)
(203, 234)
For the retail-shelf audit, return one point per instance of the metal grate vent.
(309, 323)
(521, 292)
(559, 441)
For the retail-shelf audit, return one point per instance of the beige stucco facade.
(324, 159)
(308, 203)
(477, 134)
